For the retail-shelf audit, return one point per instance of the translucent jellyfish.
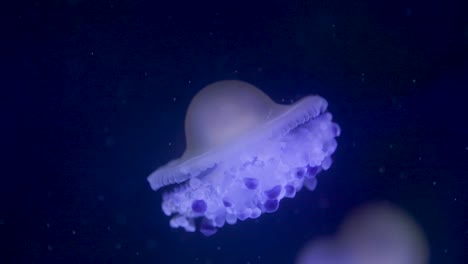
(244, 154)
(378, 232)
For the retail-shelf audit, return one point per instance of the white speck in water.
(434, 183)
(403, 175)
(174, 99)
(73, 232)
(409, 11)
(382, 169)
(109, 141)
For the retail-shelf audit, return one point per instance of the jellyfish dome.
(244, 154)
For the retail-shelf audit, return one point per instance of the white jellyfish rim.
(180, 170)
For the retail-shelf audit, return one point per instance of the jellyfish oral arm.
(256, 180)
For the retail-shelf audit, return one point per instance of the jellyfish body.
(244, 154)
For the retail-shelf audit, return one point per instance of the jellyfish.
(244, 154)
(376, 232)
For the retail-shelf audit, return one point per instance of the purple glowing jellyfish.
(244, 154)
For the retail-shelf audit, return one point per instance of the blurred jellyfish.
(244, 154)
(375, 233)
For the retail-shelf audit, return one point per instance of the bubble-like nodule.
(244, 154)
(290, 191)
(271, 206)
(199, 206)
(274, 192)
(251, 183)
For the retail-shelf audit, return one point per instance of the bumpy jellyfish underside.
(244, 154)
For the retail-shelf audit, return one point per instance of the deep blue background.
(94, 95)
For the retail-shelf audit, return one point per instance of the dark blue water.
(94, 93)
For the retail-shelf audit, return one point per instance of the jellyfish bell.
(228, 112)
(225, 111)
(235, 132)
